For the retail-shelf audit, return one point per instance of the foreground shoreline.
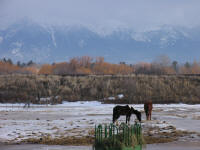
(161, 146)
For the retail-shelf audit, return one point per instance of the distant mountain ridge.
(26, 41)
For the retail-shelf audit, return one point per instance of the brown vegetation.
(86, 65)
(86, 78)
(159, 137)
(87, 140)
(165, 137)
(136, 88)
(7, 68)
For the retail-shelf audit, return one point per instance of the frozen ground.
(79, 118)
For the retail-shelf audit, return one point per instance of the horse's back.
(121, 109)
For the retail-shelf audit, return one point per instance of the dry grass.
(136, 88)
(87, 140)
(196, 118)
(165, 137)
(153, 140)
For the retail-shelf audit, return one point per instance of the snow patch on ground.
(78, 118)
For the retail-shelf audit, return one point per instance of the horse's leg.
(115, 115)
(128, 119)
(146, 115)
(150, 115)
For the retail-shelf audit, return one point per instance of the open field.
(72, 123)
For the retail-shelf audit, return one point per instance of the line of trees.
(86, 65)
(163, 65)
(8, 67)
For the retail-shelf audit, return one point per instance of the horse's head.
(139, 116)
(137, 113)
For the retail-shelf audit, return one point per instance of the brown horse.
(125, 110)
(148, 109)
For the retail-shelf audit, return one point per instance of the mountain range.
(26, 40)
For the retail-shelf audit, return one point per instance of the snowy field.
(79, 118)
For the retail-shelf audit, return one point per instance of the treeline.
(135, 88)
(8, 67)
(86, 65)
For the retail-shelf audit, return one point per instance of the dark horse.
(148, 109)
(125, 110)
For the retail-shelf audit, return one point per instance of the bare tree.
(162, 60)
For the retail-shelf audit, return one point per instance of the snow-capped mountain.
(26, 41)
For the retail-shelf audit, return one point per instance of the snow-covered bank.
(78, 119)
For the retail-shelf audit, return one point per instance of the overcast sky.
(105, 15)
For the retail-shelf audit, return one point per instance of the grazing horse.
(125, 110)
(148, 109)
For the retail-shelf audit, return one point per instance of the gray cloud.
(103, 15)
